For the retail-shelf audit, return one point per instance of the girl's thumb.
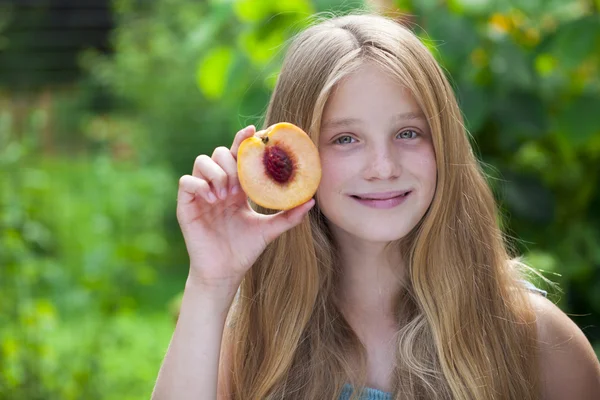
(284, 220)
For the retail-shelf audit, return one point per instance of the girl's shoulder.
(569, 366)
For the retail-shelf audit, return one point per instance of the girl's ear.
(317, 209)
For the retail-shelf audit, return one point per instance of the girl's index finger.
(240, 137)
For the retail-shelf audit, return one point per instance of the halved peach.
(279, 167)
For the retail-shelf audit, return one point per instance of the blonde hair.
(464, 332)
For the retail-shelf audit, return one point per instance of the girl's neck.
(370, 279)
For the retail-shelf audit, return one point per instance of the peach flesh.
(264, 171)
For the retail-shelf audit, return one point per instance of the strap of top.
(368, 394)
(530, 286)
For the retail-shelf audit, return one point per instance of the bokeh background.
(104, 104)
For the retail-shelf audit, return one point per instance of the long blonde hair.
(465, 329)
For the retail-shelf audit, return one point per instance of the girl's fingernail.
(211, 197)
(223, 193)
(235, 189)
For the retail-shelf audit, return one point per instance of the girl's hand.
(224, 236)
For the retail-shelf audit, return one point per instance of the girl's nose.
(383, 165)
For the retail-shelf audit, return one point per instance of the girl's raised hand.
(224, 236)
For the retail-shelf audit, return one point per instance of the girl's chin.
(379, 238)
(379, 235)
(372, 228)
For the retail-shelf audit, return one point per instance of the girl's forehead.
(360, 99)
(368, 86)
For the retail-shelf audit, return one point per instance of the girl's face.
(379, 171)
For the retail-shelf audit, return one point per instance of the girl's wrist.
(219, 293)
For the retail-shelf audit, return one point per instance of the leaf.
(426, 6)
(294, 6)
(545, 64)
(529, 199)
(522, 115)
(260, 49)
(212, 72)
(239, 76)
(579, 121)
(474, 104)
(511, 66)
(456, 36)
(271, 79)
(252, 10)
(532, 156)
(470, 7)
(529, 6)
(576, 41)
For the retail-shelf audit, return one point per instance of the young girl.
(394, 282)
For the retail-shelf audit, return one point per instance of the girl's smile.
(383, 200)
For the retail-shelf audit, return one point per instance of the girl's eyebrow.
(345, 122)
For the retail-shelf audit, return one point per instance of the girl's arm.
(191, 365)
(224, 236)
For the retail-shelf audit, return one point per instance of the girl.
(395, 281)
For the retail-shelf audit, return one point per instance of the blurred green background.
(104, 105)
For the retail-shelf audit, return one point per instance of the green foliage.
(79, 239)
(194, 73)
(85, 358)
(45, 240)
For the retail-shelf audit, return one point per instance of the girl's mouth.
(383, 200)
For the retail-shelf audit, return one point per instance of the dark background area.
(41, 39)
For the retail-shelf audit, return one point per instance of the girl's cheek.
(424, 152)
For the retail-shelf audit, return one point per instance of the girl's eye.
(408, 134)
(344, 140)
